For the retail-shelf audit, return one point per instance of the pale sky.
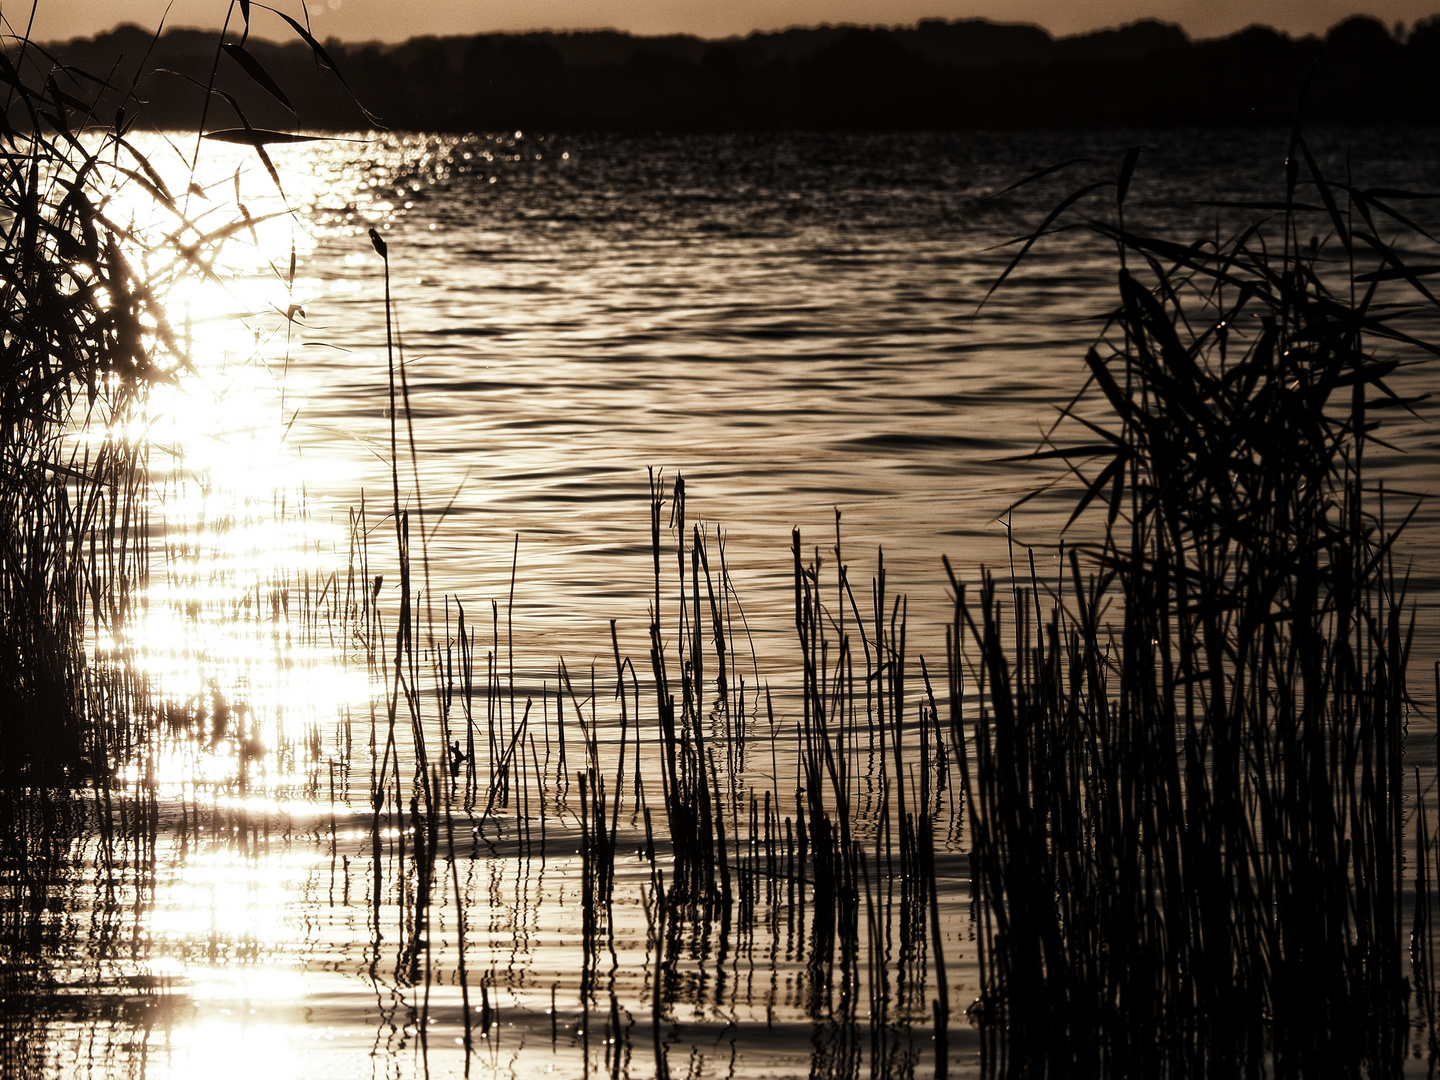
(395, 20)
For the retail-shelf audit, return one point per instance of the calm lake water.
(789, 322)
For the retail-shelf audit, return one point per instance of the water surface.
(794, 324)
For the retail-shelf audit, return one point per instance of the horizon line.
(842, 25)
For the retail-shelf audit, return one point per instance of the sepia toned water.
(792, 323)
(789, 322)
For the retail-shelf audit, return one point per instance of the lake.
(789, 322)
(794, 324)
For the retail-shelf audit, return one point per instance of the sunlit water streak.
(789, 322)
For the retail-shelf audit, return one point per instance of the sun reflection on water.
(215, 1048)
(247, 676)
(252, 676)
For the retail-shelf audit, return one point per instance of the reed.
(84, 335)
(92, 239)
(83, 283)
(1188, 805)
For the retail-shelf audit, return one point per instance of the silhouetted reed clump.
(91, 240)
(83, 336)
(1189, 806)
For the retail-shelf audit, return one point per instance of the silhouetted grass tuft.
(1189, 803)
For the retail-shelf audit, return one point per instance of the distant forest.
(936, 75)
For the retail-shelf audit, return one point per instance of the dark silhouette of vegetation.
(83, 338)
(84, 335)
(1189, 797)
(935, 75)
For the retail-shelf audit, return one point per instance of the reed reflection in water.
(329, 932)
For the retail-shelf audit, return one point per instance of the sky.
(395, 20)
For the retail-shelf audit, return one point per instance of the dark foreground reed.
(1190, 804)
(84, 334)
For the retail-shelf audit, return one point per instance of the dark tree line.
(937, 75)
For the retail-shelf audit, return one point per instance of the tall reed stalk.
(1188, 796)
